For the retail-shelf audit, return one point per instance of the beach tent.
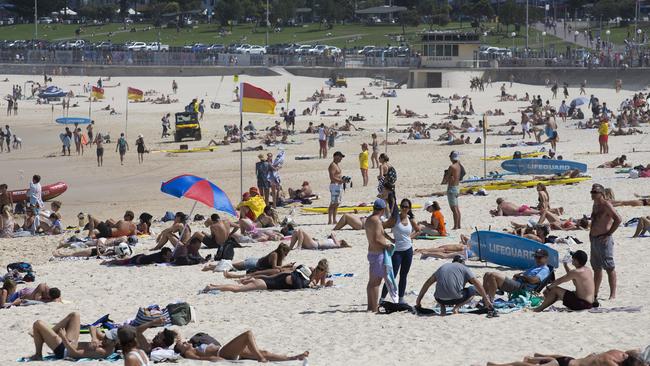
(53, 92)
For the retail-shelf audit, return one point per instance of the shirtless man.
(220, 231)
(110, 228)
(582, 277)
(505, 208)
(42, 293)
(376, 246)
(605, 221)
(63, 339)
(336, 186)
(163, 339)
(169, 235)
(610, 358)
(452, 179)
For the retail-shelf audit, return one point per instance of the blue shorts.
(452, 195)
(336, 194)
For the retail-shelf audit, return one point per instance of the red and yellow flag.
(256, 100)
(98, 92)
(135, 94)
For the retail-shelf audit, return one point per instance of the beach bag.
(391, 176)
(227, 250)
(180, 313)
(391, 307)
(203, 338)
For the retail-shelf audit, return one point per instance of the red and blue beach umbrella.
(200, 190)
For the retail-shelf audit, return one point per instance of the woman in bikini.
(448, 250)
(242, 347)
(8, 289)
(301, 277)
(375, 151)
(301, 240)
(272, 260)
(544, 199)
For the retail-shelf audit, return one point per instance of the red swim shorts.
(603, 138)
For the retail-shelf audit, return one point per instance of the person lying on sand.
(242, 347)
(163, 339)
(557, 223)
(538, 233)
(273, 260)
(621, 132)
(505, 208)
(304, 191)
(448, 251)
(110, 228)
(95, 247)
(301, 240)
(610, 358)
(583, 280)
(618, 162)
(398, 142)
(42, 293)
(178, 226)
(572, 173)
(642, 226)
(63, 340)
(609, 194)
(302, 277)
(163, 256)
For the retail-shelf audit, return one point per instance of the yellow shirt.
(363, 159)
(603, 129)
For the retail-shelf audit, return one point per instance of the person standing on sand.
(452, 179)
(363, 163)
(603, 136)
(35, 195)
(141, 148)
(322, 141)
(605, 221)
(375, 151)
(376, 246)
(7, 136)
(165, 125)
(336, 187)
(99, 141)
(89, 132)
(262, 171)
(122, 146)
(174, 86)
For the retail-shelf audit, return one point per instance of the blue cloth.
(541, 272)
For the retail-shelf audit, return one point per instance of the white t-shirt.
(321, 134)
(35, 194)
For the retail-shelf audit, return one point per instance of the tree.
(25, 8)
(228, 10)
(511, 13)
(124, 9)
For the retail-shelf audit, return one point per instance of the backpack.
(180, 313)
(391, 176)
(227, 250)
(203, 338)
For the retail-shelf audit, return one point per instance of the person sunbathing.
(63, 340)
(448, 251)
(303, 192)
(180, 227)
(557, 223)
(301, 277)
(642, 226)
(273, 260)
(95, 247)
(42, 293)
(165, 255)
(633, 203)
(301, 240)
(610, 358)
(242, 347)
(505, 208)
(163, 339)
(355, 222)
(110, 228)
(618, 162)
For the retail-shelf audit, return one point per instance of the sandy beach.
(330, 323)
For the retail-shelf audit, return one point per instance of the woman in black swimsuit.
(301, 277)
(272, 260)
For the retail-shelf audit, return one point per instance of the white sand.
(330, 323)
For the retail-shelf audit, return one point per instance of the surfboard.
(508, 157)
(520, 184)
(430, 237)
(73, 120)
(193, 150)
(48, 192)
(542, 166)
(344, 209)
(509, 250)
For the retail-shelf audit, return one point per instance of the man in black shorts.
(580, 299)
(163, 256)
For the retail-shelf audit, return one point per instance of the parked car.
(104, 45)
(242, 48)
(216, 48)
(366, 49)
(256, 50)
(157, 46)
(77, 44)
(318, 49)
(291, 49)
(304, 49)
(277, 49)
(199, 47)
(232, 48)
(137, 46)
(45, 20)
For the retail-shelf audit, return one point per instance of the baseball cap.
(454, 155)
(580, 256)
(379, 204)
(541, 253)
(338, 153)
(428, 204)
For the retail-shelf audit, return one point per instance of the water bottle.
(567, 258)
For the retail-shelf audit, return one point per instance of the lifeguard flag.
(256, 100)
(135, 94)
(98, 92)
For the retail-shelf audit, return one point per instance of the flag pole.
(241, 141)
(387, 111)
(90, 105)
(484, 146)
(126, 127)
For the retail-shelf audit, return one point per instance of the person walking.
(7, 136)
(165, 125)
(201, 109)
(605, 221)
(99, 142)
(174, 86)
(336, 186)
(122, 146)
(141, 148)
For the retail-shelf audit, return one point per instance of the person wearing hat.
(527, 280)
(583, 297)
(139, 143)
(262, 172)
(377, 245)
(452, 178)
(336, 186)
(604, 222)
(304, 191)
(363, 163)
(63, 340)
(436, 226)
(450, 280)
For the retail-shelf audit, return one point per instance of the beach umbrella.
(200, 190)
(73, 120)
(579, 101)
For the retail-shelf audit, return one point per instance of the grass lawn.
(619, 34)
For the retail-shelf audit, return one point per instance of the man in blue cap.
(376, 246)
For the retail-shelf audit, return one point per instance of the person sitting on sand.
(242, 347)
(450, 280)
(110, 228)
(642, 226)
(527, 280)
(42, 293)
(220, 231)
(63, 340)
(302, 277)
(505, 208)
(543, 200)
(301, 240)
(165, 255)
(180, 227)
(583, 280)
(8, 289)
(303, 192)
(273, 260)
(436, 226)
(53, 226)
(618, 162)
(448, 251)
(610, 358)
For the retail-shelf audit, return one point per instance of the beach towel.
(114, 357)
(598, 310)
(337, 275)
(389, 277)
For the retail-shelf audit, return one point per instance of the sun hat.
(427, 204)
(304, 271)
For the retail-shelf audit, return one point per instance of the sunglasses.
(595, 192)
(405, 206)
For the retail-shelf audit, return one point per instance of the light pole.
(513, 35)
(607, 32)
(267, 22)
(526, 26)
(543, 49)
(575, 36)
(638, 46)
(35, 19)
